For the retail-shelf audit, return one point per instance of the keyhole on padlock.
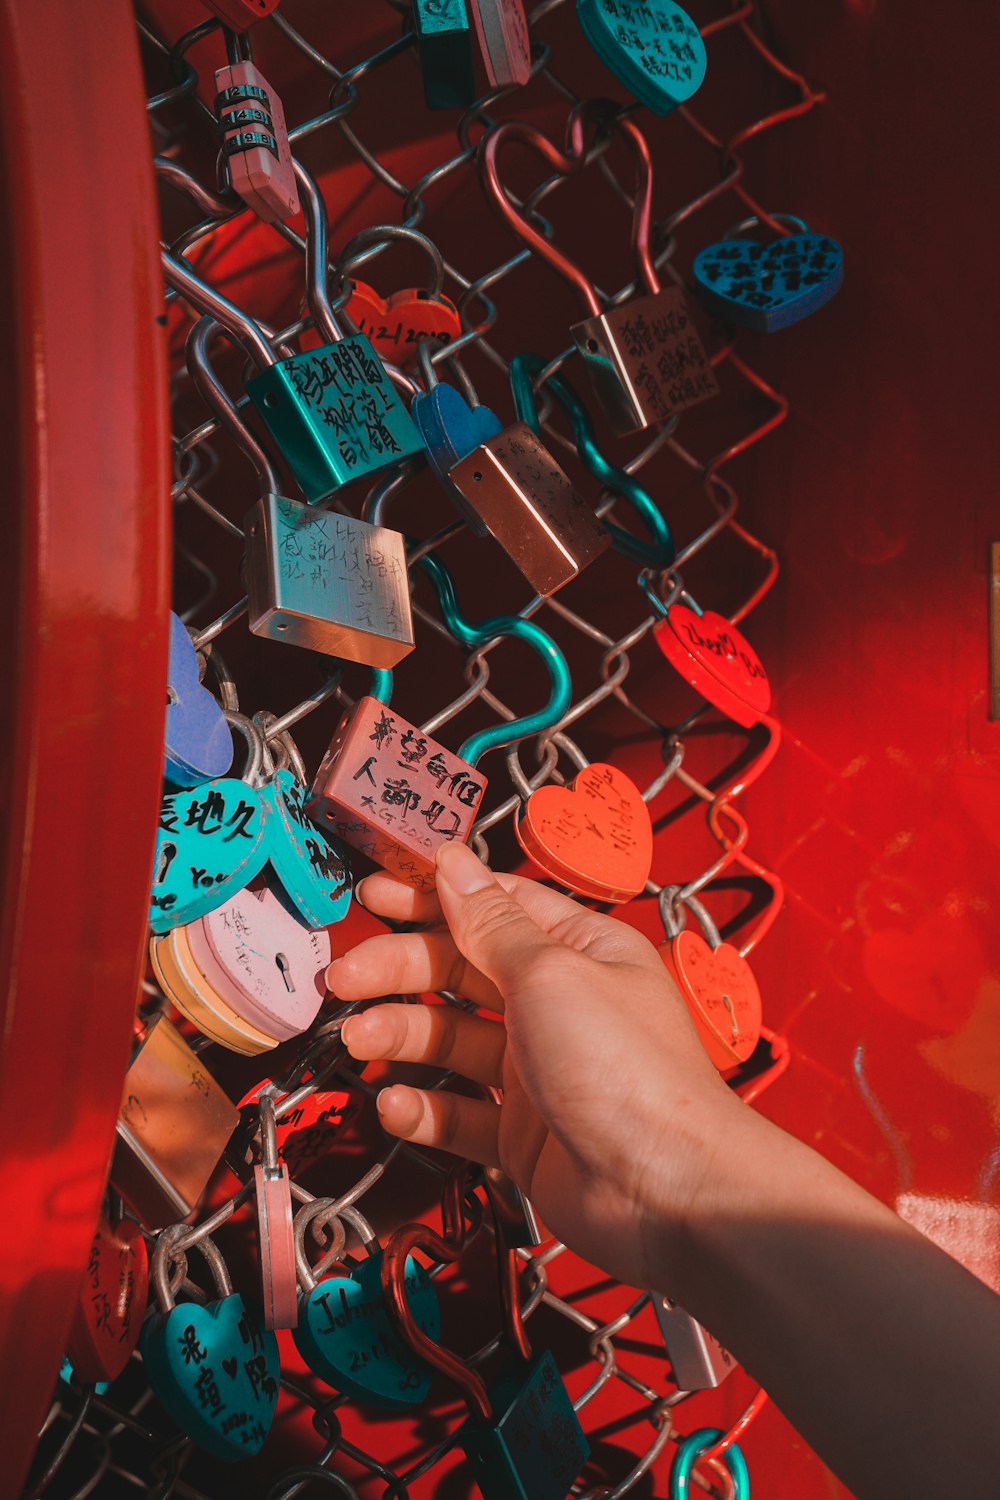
(592, 346)
(734, 1024)
(285, 969)
(171, 696)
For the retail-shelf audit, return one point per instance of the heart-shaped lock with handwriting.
(593, 836)
(396, 326)
(345, 1336)
(214, 1369)
(211, 841)
(307, 1133)
(112, 1302)
(655, 50)
(199, 746)
(266, 963)
(204, 1004)
(717, 660)
(720, 991)
(767, 287)
(308, 863)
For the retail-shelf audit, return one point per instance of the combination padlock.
(255, 142)
(697, 1359)
(328, 582)
(275, 1225)
(174, 1124)
(522, 1437)
(713, 656)
(344, 1332)
(112, 1303)
(198, 745)
(214, 1368)
(644, 356)
(504, 40)
(653, 48)
(714, 979)
(444, 47)
(770, 286)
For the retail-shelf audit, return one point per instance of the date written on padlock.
(394, 793)
(328, 582)
(255, 142)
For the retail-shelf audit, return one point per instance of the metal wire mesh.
(105, 1443)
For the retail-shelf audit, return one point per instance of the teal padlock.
(444, 45)
(653, 48)
(215, 1368)
(344, 1333)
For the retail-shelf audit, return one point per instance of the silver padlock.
(698, 1360)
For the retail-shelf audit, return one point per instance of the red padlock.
(717, 660)
(593, 836)
(239, 15)
(112, 1303)
(715, 981)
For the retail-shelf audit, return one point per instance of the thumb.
(490, 928)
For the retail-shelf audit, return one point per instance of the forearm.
(882, 1350)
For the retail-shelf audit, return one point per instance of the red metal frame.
(84, 576)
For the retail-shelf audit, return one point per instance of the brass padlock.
(644, 357)
(174, 1123)
(328, 582)
(515, 489)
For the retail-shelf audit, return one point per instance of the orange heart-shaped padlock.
(717, 660)
(719, 989)
(112, 1303)
(399, 326)
(593, 836)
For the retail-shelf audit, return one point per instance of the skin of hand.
(598, 1061)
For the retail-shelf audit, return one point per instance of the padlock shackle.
(368, 243)
(215, 396)
(471, 636)
(691, 1449)
(659, 553)
(317, 256)
(178, 274)
(565, 163)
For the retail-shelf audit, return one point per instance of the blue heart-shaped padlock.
(653, 48)
(210, 843)
(451, 429)
(345, 1336)
(769, 286)
(215, 1371)
(306, 860)
(199, 746)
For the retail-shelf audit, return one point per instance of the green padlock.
(522, 1437)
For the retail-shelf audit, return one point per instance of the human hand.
(611, 1111)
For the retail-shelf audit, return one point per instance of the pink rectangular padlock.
(255, 142)
(393, 793)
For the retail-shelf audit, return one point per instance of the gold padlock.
(328, 582)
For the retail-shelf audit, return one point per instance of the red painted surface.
(84, 573)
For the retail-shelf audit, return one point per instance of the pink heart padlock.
(258, 954)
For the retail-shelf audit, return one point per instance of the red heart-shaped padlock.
(717, 660)
(112, 1302)
(719, 989)
(593, 836)
(397, 326)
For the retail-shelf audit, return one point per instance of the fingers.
(437, 1035)
(407, 963)
(384, 896)
(491, 928)
(467, 1127)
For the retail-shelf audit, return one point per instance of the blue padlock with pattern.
(451, 429)
(769, 286)
(198, 744)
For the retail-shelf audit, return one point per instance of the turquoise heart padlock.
(198, 745)
(343, 1331)
(653, 48)
(215, 1368)
(451, 429)
(769, 286)
(306, 860)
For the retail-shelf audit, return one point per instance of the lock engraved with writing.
(328, 582)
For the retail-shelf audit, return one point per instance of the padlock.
(521, 496)
(715, 981)
(444, 46)
(394, 793)
(255, 142)
(198, 745)
(644, 356)
(522, 1437)
(307, 1133)
(205, 1004)
(173, 1125)
(715, 658)
(214, 1369)
(452, 427)
(502, 28)
(241, 14)
(697, 1359)
(660, 551)
(653, 48)
(112, 1302)
(327, 582)
(344, 1333)
(593, 836)
(275, 1226)
(768, 287)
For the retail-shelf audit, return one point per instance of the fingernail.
(359, 894)
(382, 1099)
(344, 1033)
(464, 871)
